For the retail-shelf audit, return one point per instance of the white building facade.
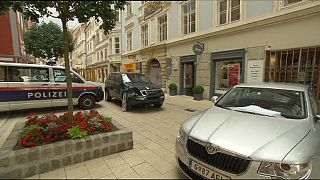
(237, 41)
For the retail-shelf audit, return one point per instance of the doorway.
(188, 74)
(155, 72)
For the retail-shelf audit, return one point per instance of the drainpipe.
(85, 51)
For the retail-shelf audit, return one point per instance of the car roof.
(275, 85)
(27, 65)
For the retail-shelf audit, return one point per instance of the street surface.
(154, 133)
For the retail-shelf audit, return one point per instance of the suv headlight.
(285, 171)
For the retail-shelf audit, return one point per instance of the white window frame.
(228, 12)
(188, 14)
(163, 34)
(145, 35)
(129, 41)
(129, 10)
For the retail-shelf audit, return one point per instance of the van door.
(4, 103)
(29, 87)
(60, 86)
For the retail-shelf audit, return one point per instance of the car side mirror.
(214, 99)
(317, 117)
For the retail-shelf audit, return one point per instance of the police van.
(24, 86)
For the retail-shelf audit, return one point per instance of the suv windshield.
(135, 78)
(265, 101)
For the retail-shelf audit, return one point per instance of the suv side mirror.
(317, 117)
(214, 99)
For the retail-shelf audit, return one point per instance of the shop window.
(229, 11)
(228, 74)
(294, 66)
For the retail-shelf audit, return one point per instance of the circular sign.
(198, 48)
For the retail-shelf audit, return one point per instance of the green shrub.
(198, 89)
(173, 86)
(76, 132)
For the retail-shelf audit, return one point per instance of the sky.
(71, 24)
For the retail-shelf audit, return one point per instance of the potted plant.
(198, 93)
(173, 89)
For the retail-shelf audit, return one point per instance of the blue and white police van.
(24, 86)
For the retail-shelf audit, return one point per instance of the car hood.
(144, 85)
(253, 136)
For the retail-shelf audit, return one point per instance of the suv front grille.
(151, 92)
(219, 160)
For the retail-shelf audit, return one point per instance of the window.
(189, 17)
(144, 35)
(110, 46)
(28, 74)
(117, 45)
(61, 76)
(105, 54)
(129, 9)
(162, 28)
(116, 11)
(289, 2)
(98, 56)
(314, 104)
(101, 55)
(3, 74)
(129, 41)
(229, 11)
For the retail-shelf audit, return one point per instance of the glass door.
(188, 78)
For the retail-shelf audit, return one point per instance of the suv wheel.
(87, 102)
(107, 97)
(125, 104)
(158, 105)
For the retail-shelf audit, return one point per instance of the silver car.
(268, 130)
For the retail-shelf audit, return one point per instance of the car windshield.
(135, 78)
(265, 102)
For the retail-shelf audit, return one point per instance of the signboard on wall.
(255, 71)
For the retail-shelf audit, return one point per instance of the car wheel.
(87, 102)
(125, 104)
(158, 105)
(107, 97)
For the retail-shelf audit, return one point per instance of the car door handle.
(44, 84)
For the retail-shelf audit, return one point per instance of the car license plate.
(206, 172)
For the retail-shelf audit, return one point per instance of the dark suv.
(132, 89)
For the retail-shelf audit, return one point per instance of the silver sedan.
(268, 130)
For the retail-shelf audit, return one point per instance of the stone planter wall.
(30, 161)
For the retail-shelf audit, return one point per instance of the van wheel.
(125, 104)
(108, 98)
(87, 102)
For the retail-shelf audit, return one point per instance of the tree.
(46, 41)
(68, 10)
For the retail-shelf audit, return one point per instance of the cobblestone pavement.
(154, 133)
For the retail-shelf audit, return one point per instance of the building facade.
(12, 31)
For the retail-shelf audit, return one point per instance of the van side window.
(3, 74)
(61, 76)
(28, 74)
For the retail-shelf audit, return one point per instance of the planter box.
(172, 92)
(198, 97)
(27, 162)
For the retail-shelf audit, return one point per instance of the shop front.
(227, 70)
(300, 65)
